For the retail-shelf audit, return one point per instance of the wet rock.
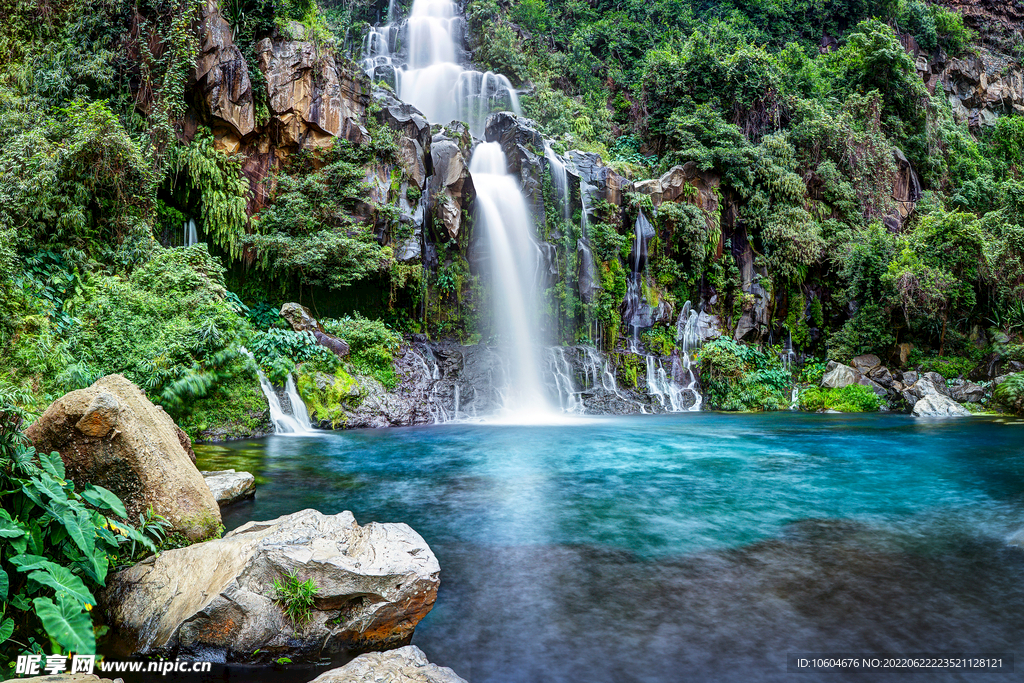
(130, 447)
(524, 150)
(216, 600)
(229, 486)
(312, 100)
(222, 78)
(450, 186)
(413, 134)
(405, 665)
(964, 391)
(590, 168)
(937, 405)
(301, 320)
(838, 376)
(754, 318)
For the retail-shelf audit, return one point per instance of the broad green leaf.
(61, 580)
(83, 537)
(67, 624)
(104, 500)
(4, 585)
(10, 528)
(6, 630)
(28, 563)
(53, 464)
(51, 489)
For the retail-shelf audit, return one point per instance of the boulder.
(866, 363)
(964, 391)
(937, 405)
(229, 486)
(919, 389)
(217, 600)
(938, 381)
(301, 320)
(838, 376)
(111, 435)
(405, 665)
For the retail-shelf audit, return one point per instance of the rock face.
(312, 100)
(301, 320)
(222, 76)
(405, 665)
(374, 584)
(524, 150)
(112, 436)
(229, 486)
(937, 405)
(450, 187)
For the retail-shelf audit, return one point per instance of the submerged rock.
(229, 486)
(937, 405)
(111, 435)
(217, 600)
(405, 665)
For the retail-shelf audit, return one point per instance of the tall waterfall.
(431, 77)
(504, 222)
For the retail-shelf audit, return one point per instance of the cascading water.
(432, 77)
(689, 340)
(296, 424)
(507, 232)
(559, 178)
(190, 234)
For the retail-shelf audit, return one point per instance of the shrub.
(372, 345)
(1010, 394)
(854, 398)
(59, 544)
(740, 377)
(295, 597)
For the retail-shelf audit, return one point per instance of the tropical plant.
(295, 597)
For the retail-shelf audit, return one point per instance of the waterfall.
(638, 312)
(568, 397)
(560, 179)
(507, 232)
(432, 77)
(189, 230)
(689, 340)
(283, 423)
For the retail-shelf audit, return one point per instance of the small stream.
(688, 547)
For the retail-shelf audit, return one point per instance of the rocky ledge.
(218, 600)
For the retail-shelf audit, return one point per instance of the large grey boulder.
(864, 364)
(301, 320)
(838, 376)
(938, 381)
(405, 665)
(229, 486)
(937, 405)
(965, 391)
(216, 600)
(111, 435)
(924, 386)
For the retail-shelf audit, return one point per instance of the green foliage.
(168, 327)
(950, 367)
(58, 544)
(1010, 393)
(295, 597)
(326, 398)
(278, 351)
(741, 377)
(854, 398)
(372, 346)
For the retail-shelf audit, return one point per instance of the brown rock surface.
(111, 435)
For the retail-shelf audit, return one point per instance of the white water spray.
(515, 260)
(294, 425)
(189, 230)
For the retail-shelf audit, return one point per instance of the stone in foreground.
(404, 665)
(229, 486)
(111, 435)
(216, 600)
(937, 405)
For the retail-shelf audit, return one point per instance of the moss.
(327, 401)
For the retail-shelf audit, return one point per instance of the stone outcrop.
(216, 600)
(312, 101)
(301, 320)
(405, 665)
(838, 376)
(229, 486)
(413, 134)
(111, 435)
(524, 151)
(964, 391)
(450, 187)
(937, 405)
(222, 77)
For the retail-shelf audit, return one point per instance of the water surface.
(683, 547)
